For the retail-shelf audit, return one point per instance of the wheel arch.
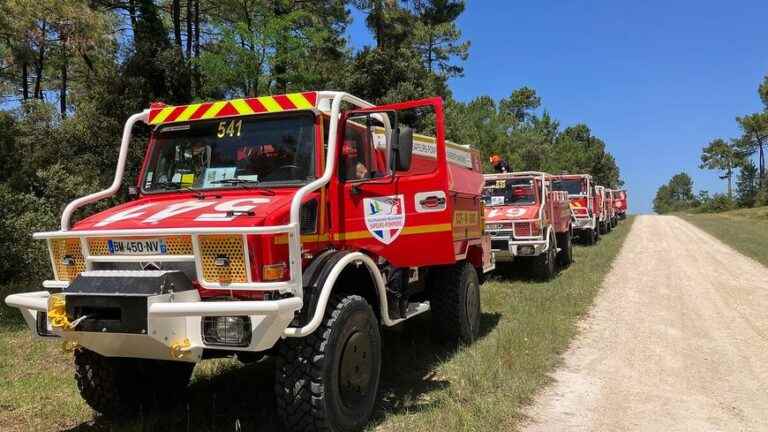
(339, 271)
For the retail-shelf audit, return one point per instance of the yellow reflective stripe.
(299, 100)
(352, 235)
(306, 238)
(424, 229)
(160, 117)
(270, 104)
(187, 113)
(242, 107)
(213, 110)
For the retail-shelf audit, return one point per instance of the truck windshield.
(572, 186)
(509, 192)
(232, 152)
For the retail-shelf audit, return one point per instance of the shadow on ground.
(240, 397)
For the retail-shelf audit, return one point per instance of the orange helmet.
(495, 159)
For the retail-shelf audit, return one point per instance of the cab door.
(400, 213)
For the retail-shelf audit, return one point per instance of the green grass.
(527, 325)
(745, 230)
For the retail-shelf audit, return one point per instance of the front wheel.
(329, 380)
(455, 303)
(565, 256)
(120, 387)
(544, 265)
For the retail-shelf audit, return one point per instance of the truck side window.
(364, 150)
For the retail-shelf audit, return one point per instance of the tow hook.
(180, 349)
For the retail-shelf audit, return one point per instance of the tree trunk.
(25, 81)
(176, 18)
(63, 90)
(195, 72)
(132, 13)
(280, 69)
(197, 28)
(761, 177)
(38, 93)
(189, 29)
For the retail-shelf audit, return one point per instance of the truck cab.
(527, 220)
(581, 194)
(294, 225)
(620, 203)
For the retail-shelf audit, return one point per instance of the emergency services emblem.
(385, 217)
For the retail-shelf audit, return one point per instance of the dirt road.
(677, 341)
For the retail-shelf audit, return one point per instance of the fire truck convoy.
(526, 219)
(294, 225)
(584, 208)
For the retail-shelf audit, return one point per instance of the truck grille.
(67, 256)
(229, 246)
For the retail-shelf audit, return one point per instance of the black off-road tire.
(455, 303)
(328, 381)
(118, 387)
(587, 236)
(545, 265)
(609, 226)
(565, 256)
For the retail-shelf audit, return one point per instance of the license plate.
(137, 247)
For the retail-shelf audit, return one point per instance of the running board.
(414, 308)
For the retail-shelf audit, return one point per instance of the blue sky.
(656, 80)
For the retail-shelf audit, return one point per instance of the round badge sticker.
(515, 212)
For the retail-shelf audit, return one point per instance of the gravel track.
(677, 341)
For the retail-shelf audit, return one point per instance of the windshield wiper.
(245, 183)
(178, 186)
(235, 181)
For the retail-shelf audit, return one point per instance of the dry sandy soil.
(677, 341)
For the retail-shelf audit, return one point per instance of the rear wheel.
(455, 303)
(329, 380)
(565, 256)
(544, 265)
(120, 387)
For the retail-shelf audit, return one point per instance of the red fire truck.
(581, 193)
(294, 225)
(527, 219)
(611, 207)
(620, 203)
(601, 210)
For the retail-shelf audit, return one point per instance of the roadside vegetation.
(740, 161)
(745, 230)
(527, 325)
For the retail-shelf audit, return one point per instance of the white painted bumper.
(172, 319)
(509, 254)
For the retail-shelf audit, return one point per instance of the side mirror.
(403, 149)
(133, 191)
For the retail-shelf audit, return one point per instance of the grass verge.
(527, 325)
(745, 230)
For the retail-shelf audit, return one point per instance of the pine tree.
(746, 185)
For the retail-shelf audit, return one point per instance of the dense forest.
(72, 71)
(734, 159)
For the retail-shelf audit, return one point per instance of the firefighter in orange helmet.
(499, 164)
